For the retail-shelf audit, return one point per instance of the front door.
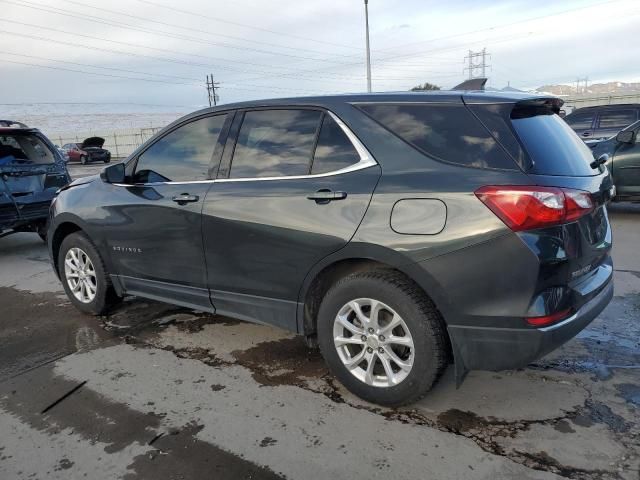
(296, 191)
(610, 122)
(626, 169)
(154, 223)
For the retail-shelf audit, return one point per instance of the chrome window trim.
(366, 161)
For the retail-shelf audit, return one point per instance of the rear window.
(24, 150)
(446, 132)
(553, 147)
(580, 120)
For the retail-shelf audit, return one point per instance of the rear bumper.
(488, 348)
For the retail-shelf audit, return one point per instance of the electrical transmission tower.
(477, 63)
(214, 98)
(579, 81)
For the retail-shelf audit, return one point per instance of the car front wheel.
(382, 337)
(84, 277)
(83, 159)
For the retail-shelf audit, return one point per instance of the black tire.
(83, 159)
(105, 296)
(107, 160)
(422, 318)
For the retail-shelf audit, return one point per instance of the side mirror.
(113, 173)
(626, 136)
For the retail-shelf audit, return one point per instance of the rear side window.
(184, 154)
(580, 120)
(554, 148)
(617, 118)
(446, 132)
(334, 150)
(275, 143)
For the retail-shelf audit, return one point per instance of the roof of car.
(436, 96)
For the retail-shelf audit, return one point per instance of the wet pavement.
(156, 391)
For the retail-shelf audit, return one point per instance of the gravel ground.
(156, 391)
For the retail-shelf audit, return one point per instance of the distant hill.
(596, 88)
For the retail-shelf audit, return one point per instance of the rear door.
(582, 123)
(292, 190)
(611, 121)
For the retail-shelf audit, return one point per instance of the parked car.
(594, 124)
(392, 229)
(31, 170)
(623, 160)
(90, 150)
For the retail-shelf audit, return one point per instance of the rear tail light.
(529, 207)
(549, 319)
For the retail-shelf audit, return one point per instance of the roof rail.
(12, 123)
(471, 84)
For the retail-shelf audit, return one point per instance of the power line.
(128, 26)
(192, 29)
(244, 86)
(96, 73)
(98, 66)
(217, 19)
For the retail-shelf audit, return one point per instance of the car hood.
(81, 181)
(95, 142)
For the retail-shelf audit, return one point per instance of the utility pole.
(366, 19)
(211, 90)
(473, 64)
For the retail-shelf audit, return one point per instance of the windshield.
(24, 149)
(554, 148)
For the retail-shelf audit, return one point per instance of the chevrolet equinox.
(399, 232)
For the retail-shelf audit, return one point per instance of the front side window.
(183, 154)
(334, 150)
(446, 132)
(275, 143)
(617, 118)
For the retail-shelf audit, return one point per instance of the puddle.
(282, 362)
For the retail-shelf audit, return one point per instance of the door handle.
(586, 134)
(325, 196)
(184, 198)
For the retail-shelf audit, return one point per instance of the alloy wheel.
(373, 342)
(81, 275)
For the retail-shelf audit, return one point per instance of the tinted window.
(496, 118)
(617, 118)
(553, 146)
(580, 120)
(447, 132)
(182, 155)
(274, 143)
(334, 149)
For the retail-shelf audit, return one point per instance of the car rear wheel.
(382, 337)
(83, 274)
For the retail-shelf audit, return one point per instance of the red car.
(90, 150)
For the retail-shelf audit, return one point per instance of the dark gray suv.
(398, 231)
(598, 123)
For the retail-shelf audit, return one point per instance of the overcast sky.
(259, 48)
